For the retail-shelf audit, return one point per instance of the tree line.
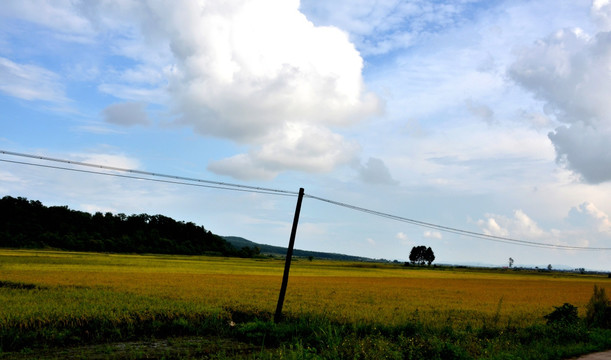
(30, 224)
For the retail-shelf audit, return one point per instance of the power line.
(262, 191)
(180, 180)
(455, 230)
(176, 178)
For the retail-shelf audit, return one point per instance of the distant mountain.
(240, 242)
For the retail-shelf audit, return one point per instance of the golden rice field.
(84, 285)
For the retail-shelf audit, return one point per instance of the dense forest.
(30, 224)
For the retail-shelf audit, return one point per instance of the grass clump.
(598, 309)
(563, 315)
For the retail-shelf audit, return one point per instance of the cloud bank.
(569, 72)
(254, 72)
(261, 74)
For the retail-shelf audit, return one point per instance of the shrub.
(562, 315)
(598, 310)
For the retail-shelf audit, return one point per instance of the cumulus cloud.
(257, 64)
(587, 215)
(300, 147)
(518, 226)
(601, 12)
(260, 73)
(569, 72)
(585, 225)
(585, 150)
(376, 172)
(30, 82)
(126, 114)
(255, 72)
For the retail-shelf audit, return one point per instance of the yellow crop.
(123, 288)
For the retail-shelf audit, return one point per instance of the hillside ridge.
(240, 242)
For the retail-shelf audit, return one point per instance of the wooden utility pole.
(287, 262)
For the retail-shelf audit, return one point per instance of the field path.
(606, 355)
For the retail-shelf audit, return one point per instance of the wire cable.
(215, 184)
(181, 180)
(145, 178)
(456, 230)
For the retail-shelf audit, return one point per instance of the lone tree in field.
(421, 255)
(510, 262)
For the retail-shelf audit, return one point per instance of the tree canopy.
(421, 255)
(30, 224)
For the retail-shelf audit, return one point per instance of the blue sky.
(487, 116)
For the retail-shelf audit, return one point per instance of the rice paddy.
(347, 291)
(68, 289)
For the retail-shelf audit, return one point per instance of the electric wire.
(147, 179)
(457, 231)
(180, 180)
(216, 184)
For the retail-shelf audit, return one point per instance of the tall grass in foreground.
(334, 310)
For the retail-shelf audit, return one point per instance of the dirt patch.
(606, 355)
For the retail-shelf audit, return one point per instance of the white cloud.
(587, 215)
(255, 72)
(585, 225)
(295, 146)
(133, 93)
(520, 226)
(245, 69)
(371, 241)
(433, 235)
(126, 114)
(401, 236)
(30, 82)
(64, 17)
(107, 159)
(601, 12)
(569, 71)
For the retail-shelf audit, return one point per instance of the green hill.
(240, 242)
(30, 224)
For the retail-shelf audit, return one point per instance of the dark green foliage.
(18, 285)
(421, 255)
(598, 309)
(29, 224)
(562, 315)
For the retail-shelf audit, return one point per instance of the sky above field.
(487, 116)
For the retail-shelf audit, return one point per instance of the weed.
(562, 315)
(598, 309)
